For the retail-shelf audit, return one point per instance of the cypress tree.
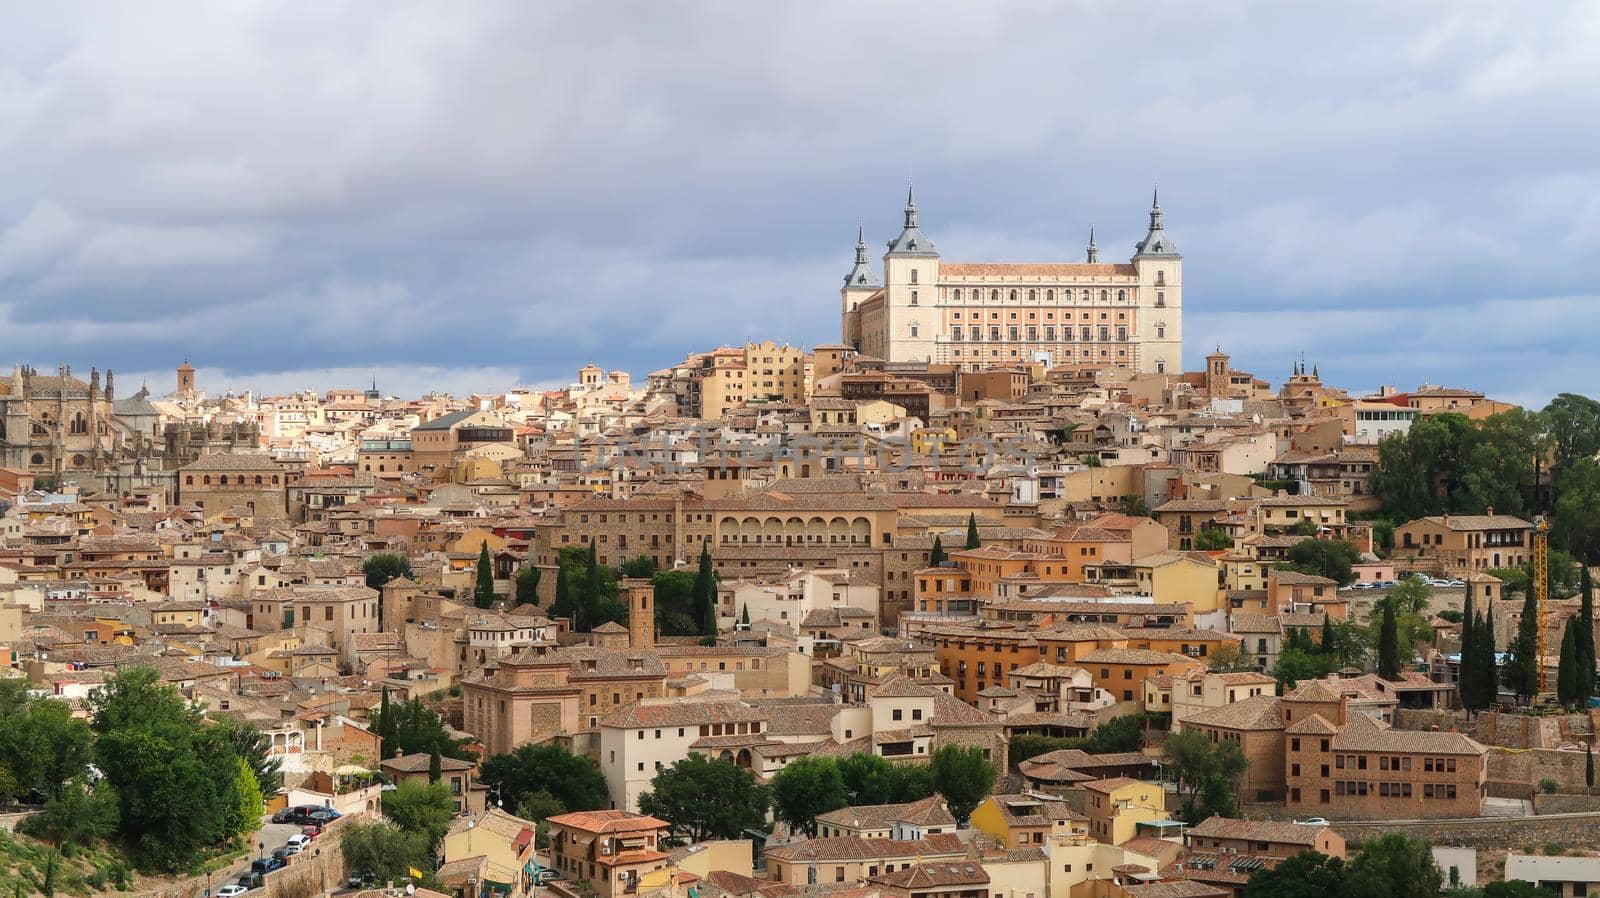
(1567, 670)
(594, 591)
(1327, 634)
(1466, 681)
(561, 606)
(1587, 667)
(435, 765)
(1488, 673)
(1588, 766)
(936, 556)
(705, 593)
(972, 532)
(1388, 644)
(386, 727)
(484, 595)
(1522, 671)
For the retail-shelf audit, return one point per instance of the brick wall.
(1527, 833)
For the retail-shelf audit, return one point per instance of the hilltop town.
(1052, 618)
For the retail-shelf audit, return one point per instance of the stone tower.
(186, 380)
(641, 613)
(1218, 374)
(1160, 270)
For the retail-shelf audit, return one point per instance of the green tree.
(1412, 596)
(41, 744)
(81, 814)
(640, 567)
(1024, 746)
(1521, 672)
(973, 541)
(385, 728)
(1588, 766)
(435, 765)
(1308, 874)
(1115, 736)
(176, 778)
(1467, 681)
(1212, 539)
(562, 605)
(704, 799)
(1488, 676)
(1230, 658)
(1587, 670)
(871, 779)
(1393, 865)
(1567, 668)
(1324, 558)
(425, 810)
(1388, 643)
(1206, 772)
(807, 787)
(574, 781)
(249, 805)
(936, 555)
(527, 584)
(383, 567)
(675, 604)
(1296, 664)
(1133, 506)
(256, 748)
(414, 728)
(705, 593)
(384, 851)
(1576, 523)
(51, 869)
(963, 776)
(483, 595)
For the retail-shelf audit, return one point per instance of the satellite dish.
(411, 888)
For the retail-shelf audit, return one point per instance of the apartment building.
(1362, 769)
(611, 850)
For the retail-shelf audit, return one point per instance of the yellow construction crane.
(1541, 588)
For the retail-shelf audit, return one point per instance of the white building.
(983, 314)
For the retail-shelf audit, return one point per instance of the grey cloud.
(511, 188)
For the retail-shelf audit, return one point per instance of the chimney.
(1489, 511)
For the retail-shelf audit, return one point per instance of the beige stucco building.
(984, 314)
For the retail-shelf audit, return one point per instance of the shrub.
(1548, 786)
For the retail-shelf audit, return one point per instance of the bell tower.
(641, 613)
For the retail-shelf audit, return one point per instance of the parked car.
(284, 816)
(544, 876)
(250, 881)
(1314, 821)
(359, 881)
(283, 854)
(299, 842)
(265, 865)
(321, 816)
(231, 891)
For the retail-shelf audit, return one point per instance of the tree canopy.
(383, 567)
(807, 787)
(963, 776)
(425, 810)
(705, 799)
(573, 781)
(1206, 773)
(872, 779)
(1329, 558)
(1392, 865)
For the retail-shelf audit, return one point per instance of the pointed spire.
(1094, 251)
(861, 244)
(911, 205)
(1156, 242)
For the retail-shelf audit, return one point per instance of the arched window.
(78, 424)
(958, 294)
(1087, 296)
(1033, 296)
(1122, 295)
(274, 478)
(994, 295)
(1013, 296)
(188, 480)
(206, 480)
(1049, 296)
(258, 480)
(1105, 295)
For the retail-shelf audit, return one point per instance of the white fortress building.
(986, 314)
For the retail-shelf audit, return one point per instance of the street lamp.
(262, 848)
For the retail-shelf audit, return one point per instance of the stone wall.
(1516, 774)
(1496, 833)
(1565, 804)
(306, 874)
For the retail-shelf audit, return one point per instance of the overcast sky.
(474, 195)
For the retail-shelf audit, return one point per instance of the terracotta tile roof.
(923, 876)
(930, 811)
(1052, 270)
(1132, 656)
(1259, 712)
(1257, 830)
(683, 714)
(845, 848)
(608, 821)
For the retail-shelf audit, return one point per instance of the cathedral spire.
(861, 243)
(1094, 251)
(911, 240)
(911, 205)
(861, 274)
